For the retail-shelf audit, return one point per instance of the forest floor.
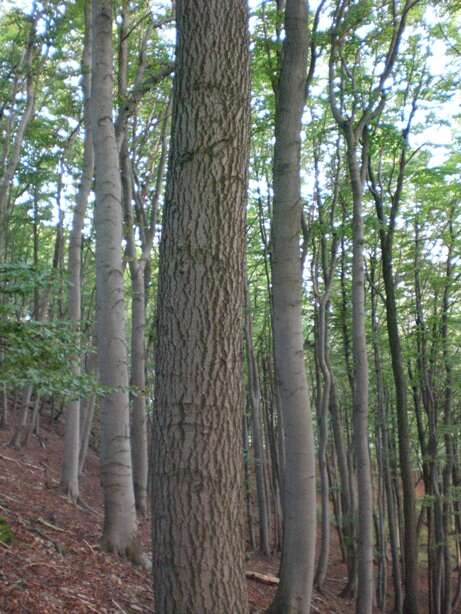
(54, 562)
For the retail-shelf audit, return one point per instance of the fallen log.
(260, 577)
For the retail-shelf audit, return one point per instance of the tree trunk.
(410, 604)
(364, 601)
(70, 467)
(87, 412)
(120, 515)
(257, 433)
(198, 545)
(323, 406)
(10, 161)
(138, 422)
(384, 448)
(298, 484)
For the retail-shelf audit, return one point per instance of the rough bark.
(70, 467)
(298, 484)
(198, 547)
(119, 507)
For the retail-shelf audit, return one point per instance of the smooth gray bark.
(257, 434)
(70, 467)
(353, 124)
(386, 234)
(364, 601)
(87, 411)
(298, 484)
(119, 506)
(139, 263)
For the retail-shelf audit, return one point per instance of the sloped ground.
(54, 563)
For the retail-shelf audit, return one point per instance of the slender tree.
(353, 122)
(120, 515)
(386, 234)
(70, 468)
(298, 499)
(16, 124)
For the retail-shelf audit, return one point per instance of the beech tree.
(70, 468)
(298, 482)
(354, 123)
(117, 480)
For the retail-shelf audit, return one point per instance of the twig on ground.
(49, 525)
(119, 607)
(13, 460)
(92, 548)
(81, 598)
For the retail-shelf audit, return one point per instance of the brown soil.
(54, 562)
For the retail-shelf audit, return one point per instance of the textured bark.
(198, 547)
(70, 467)
(298, 484)
(119, 507)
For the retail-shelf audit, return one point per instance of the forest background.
(378, 213)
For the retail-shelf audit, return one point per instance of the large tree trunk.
(120, 514)
(299, 512)
(70, 468)
(198, 547)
